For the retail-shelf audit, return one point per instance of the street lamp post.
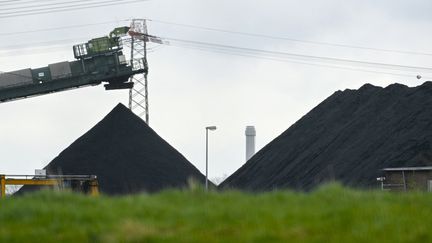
(211, 128)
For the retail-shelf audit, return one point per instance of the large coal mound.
(126, 155)
(349, 138)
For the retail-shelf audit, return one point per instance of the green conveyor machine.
(100, 60)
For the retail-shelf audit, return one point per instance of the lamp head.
(211, 128)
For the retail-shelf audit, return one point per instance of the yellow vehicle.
(87, 184)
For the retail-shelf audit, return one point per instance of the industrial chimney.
(250, 141)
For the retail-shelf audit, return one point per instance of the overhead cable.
(299, 56)
(69, 8)
(302, 63)
(292, 39)
(244, 34)
(42, 4)
(60, 28)
(263, 53)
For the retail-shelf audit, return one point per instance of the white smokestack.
(250, 141)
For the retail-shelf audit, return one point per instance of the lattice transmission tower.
(138, 95)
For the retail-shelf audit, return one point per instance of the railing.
(137, 64)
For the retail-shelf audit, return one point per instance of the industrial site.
(345, 138)
(144, 129)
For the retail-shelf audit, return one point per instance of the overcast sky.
(190, 89)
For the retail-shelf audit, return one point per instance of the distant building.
(407, 179)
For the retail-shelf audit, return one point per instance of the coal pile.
(349, 138)
(126, 155)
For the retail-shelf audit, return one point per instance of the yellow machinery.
(82, 183)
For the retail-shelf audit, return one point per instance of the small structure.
(407, 179)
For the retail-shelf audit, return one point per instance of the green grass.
(329, 214)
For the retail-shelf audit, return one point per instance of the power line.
(264, 53)
(54, 49)
(49, 43)
(2, 2)
(78, 7)
(11, 2)
(241, 33)
(36, 7)
(67, 5)
(292, 39)
(276, 59)
(273, 55)
(302, 63)
(300, 56)
(60, 28)
(23, 4)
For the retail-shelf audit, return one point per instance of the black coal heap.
(349, 137)
(126, 155)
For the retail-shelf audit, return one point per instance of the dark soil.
(349, 138)
(126, 155)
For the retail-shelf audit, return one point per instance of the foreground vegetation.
(329, 214)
